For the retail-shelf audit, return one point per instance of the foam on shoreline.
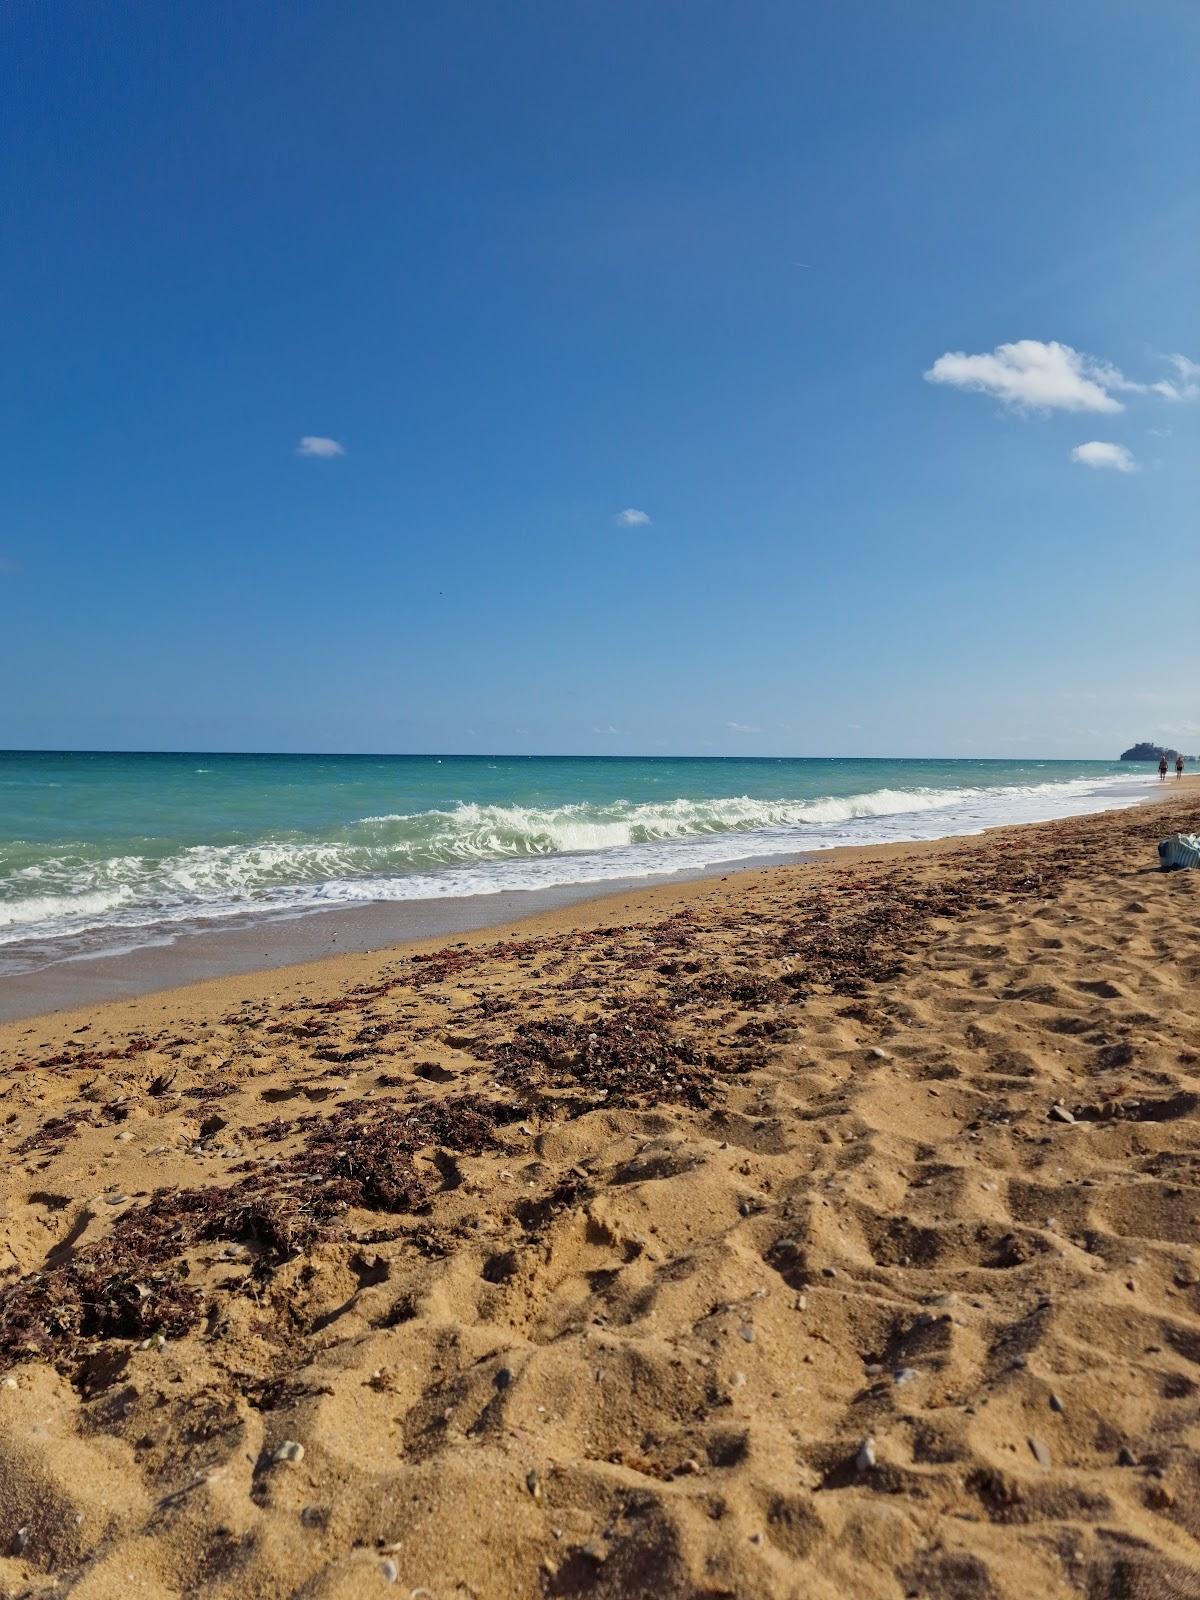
(75, 905)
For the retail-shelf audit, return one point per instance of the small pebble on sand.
(1041, 1453)
(865, 1459)
(290, 1451)
(388, 1570)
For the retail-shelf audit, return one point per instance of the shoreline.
(44, 971)
(265, 954)
(803, 1230)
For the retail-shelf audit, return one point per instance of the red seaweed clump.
(133, 1282)
(631, 1056)
(54, 1131)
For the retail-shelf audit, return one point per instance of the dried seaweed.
(634, 1054)
(54, 1131)
(133, 1282)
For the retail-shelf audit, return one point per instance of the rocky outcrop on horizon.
(1145, 751)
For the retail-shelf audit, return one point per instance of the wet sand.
(812, 1231)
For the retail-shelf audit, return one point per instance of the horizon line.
(517, 755)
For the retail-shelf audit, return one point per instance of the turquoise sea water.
(99, 851)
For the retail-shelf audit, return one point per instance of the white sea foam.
(44, 910)
(481, 831)
(478, 849)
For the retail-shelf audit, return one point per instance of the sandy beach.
(815, 1231)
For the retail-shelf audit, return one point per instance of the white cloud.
(313, 444)
(1096, 453)
(1188, 387)
(1031, 375)
(742, 727)
(631, 517)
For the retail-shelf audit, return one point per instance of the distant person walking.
(1162, 767)
(1179, 766)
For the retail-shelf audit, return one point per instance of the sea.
(104, 852)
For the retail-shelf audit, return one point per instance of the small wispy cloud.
(742, 727)
(315, 444)
(609, 730)
(1099, 453)
(631, 517)
(1188, 387)
(1035, 375)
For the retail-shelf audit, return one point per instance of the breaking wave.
(475, 832)
(477, 849)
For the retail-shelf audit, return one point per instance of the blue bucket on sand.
(1180, 850)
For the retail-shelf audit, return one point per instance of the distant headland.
(1145, 751)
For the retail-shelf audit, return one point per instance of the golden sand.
(821, 1231)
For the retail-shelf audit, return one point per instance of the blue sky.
(532, 266)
